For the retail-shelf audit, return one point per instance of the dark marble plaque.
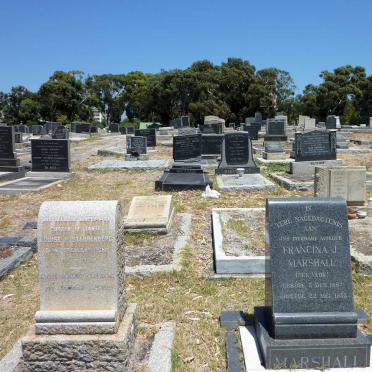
(331, 122)
(237, 153)
(275, 128)
(50, 155)
(252, 130)
(136, 145)
(212, 144)
(7, 142)
(186, 147)
(149, 133)
(310, 268)
(315, 145)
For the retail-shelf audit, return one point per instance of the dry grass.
(188, 297)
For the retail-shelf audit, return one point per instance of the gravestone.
(342, 140)
(211, 145)
(252, 130)
(237, 153)
(83, 312)
(37, 130)
(274, 151)
(93, 129)
(314, 145)
(211, 128)
(310, 320)
(149, 133)
(113, 128)
(150, 213)
(187, 131)
(78, 127)
(48, 155)
(18, 137)
(130, 130)
(333, 122)
(8, 157)
(123, 130)
(275, 130)
(23, 129)
(348, 183)
(182, 178)
(282, 118)
(370, 122)
(249, 120)
(258, 117)
(187, 147)
(136, 145)
(50, 126)
(185, 121)
(61, 132)
(306, 123)
(182, 122)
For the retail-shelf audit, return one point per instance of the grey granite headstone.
(136, 145)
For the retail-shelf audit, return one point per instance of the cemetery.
(133, 245)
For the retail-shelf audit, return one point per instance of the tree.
(11, 104)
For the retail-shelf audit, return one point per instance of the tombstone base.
(307, 168)
(309, 353)
(233, 170)
(274, 155)
(82, 352)
(129, 157)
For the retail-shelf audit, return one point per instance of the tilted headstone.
(311, 321)
(136, 145)
(314, 145)
(49, 155)
(212, 144)
(237, 153)
(348, 183)
(187, 147)
(149, 133)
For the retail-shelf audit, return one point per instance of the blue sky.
(38, 37)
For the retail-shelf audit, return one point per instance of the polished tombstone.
(314, 145)
(183, 177)
(136, 145)
(211, 145)
(50, 155)
(8, 157)
(150, 213)
(275, 130)
(187, 147)
(237, 153)
(309, 320)
(84, 321)
(348, 183)
(149, 133)
(252, 130)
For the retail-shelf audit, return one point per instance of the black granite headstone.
(123, 130)
(314, 145)
(130, 130)
(237, 153)
(185, 121)
(310, 321)
(113, 128)
(275, 130)
(186, 147)
(211, 128)
(212, 144)
(331, 122)
(50, 155)
(7, 147)
(78, 127)
(149, 133)
(136, 145)
(252, 130)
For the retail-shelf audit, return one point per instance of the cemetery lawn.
(190, 297)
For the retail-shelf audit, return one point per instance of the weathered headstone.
(50, 155)
(275, 130)
(82, 293)
(8, 157)
(314, 145)
(150, 213)
(136, 145)
(346, 182)
(149, 133)
(187, 147)
(237, 153)
(310, 321)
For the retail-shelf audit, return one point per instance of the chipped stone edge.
(233, 265)
(160, 359)
(179, 245)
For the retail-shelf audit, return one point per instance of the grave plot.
(27, 184)
(239, 240)
(148, 252)
(129, 164)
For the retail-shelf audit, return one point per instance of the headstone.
(123, 130)
(250, 120)
(23, 129)
(342, 140)
(113, 128)
(136, 145)
(211, 144)
(237, 153)
(321, 125)
(130, 130)
(187, 147)
(370, 122)
(310, 321)
(252, 131)
(333, 122)
(61, 132)
(78, 127)
(211, 128)
(314, 145)
(50, 155)
(182, 122)
(150, 213)
(83, 312)
(18, 137)
(275, 130)
(93, 129)
(282, 118)
(306, 123)
(149, 133)
(37, 130)
(258, 117)
(185, 121)
(8, 157)
(348, 183)
(50, 126)
(187, 131)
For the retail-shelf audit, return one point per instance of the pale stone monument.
(150, 213)
(346, 182)
(84, 321)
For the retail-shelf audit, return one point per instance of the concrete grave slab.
(240, 260)
(123, 164)
(291, 182)
(246, 182)
(19, 256)
(27, 184)
(8, 176)
(150, 213)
